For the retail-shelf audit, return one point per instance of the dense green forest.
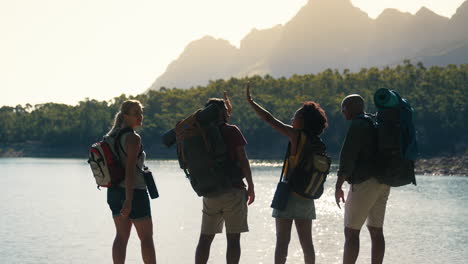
(437, 94)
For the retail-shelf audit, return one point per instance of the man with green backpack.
(211, 153)
(376, 155)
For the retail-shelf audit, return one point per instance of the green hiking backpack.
(396, 139)
(202, 155)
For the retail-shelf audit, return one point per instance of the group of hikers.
(227, 206)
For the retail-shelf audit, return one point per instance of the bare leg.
(233, 251)
(304, 231)
(283, 236)
(145, 233)
(203, 249)
(123, 226)
(351, 248)
(378, 244)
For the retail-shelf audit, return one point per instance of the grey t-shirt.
(139, 179)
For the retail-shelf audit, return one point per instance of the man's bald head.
(352, 105)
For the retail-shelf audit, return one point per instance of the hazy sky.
(67, 50)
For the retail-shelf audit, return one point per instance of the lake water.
(51, 212)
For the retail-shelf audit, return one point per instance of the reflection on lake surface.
(53, 213)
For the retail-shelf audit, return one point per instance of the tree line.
(437, 94)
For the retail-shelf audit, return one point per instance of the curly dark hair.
(315, 119)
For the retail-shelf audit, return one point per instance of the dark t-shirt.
(233, 138)
(358, 152)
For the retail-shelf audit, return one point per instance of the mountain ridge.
(324, 34)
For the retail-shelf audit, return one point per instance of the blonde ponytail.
(119, 119)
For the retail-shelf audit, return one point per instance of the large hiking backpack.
(105, 162)
(202, 153)
(396, 139)
(307, 178)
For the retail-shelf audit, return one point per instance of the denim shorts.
(297, 208)
(140, 205)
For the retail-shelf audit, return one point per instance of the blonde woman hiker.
(129, 201)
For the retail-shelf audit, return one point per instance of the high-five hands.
(249, 96)
(228, 103)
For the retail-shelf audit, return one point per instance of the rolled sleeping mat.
(169, 138)
(208, 114)
(384, 98)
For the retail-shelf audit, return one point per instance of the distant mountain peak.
(256, 35)
(208, 40)
(393, 12)
(326, 12)
(327, 4)
(462, 10)
(426, 12)
(463, 7)
(324, 34)
(208, 44)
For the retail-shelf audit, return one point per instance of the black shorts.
(140, 204)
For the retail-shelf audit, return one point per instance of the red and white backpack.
(105, 161)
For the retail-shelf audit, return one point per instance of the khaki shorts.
(366, 200)
(230, 207)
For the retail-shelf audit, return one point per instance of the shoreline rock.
(446, 166)
(456, 165)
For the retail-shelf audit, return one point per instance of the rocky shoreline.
(447, 166)
(456, 165)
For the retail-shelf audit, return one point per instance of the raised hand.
(228, 103)
(249, 96)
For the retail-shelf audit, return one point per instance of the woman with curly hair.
(308, 123)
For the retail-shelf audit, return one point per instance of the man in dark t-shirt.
(234, 140)
(229, 207)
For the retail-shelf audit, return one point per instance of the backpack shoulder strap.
(301, 147)
(369, 118)
(408, 132)
(285, 162)
(118, 143)
(312, 144)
